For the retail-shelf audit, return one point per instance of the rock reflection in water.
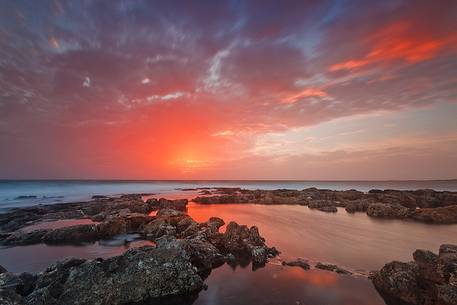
(275, 284)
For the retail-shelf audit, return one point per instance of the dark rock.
(27, 284)
(100, 197)
(162, 203)
(2, 269)
(357, 206)
(383, 210)
(136, 276)
(72, 234)
(298, 263)
(430, 280)
(398, 280)
(324, 206)
(441, 215)
(28, 238)
(10, 297)
(333, 268)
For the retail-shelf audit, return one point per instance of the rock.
(72, 234)
(430, 280)
(10, 297)
(383, 210)
(333, 268)
(300, 262)
(139, 275)
(398, 280)
(9, 280)
(324, 206)
(28, 238)
(2, 269)
(99, 197)
(243, 241)
(357, 206)
(27, 284)
(441, 215)
(162, 203)
(215, 223)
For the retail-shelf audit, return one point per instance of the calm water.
(66, 191)
(353, 241)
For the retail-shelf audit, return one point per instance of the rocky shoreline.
(185, 251)
(431, 279)
(184, 254)
(439, 207)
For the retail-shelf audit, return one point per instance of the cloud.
(86, 82)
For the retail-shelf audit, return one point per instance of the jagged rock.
(299, 262)
(324, 206)
(72, 234)
(138, 275)
(383, 210)
(357, 206)
(28, 238)
(2, 269)
(442, 215)
(333, 268)
(10, 297)
(429, 280)
(162, 203)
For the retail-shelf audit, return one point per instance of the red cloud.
(399, 41)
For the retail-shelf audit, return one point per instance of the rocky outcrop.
(382, 210)
(384, 203)
(300, 262)
(430, 279)
(333, 268)
(442, 215)
(357, 206)
(162, 203)
(324, 206)
(138, 275)
(185, 253)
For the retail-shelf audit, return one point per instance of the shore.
(176, 238)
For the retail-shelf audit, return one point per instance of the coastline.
(152, 219)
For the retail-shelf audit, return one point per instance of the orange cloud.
(308, 92)
(53, 42)
(398, 41)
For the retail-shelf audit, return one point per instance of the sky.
(315, 90)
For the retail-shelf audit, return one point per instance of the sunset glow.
(228, 89)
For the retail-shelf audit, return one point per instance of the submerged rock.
(429, 280)
(333, 268)
(300, 262)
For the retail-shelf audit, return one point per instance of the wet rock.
(243, 241)
(429, 280)
(139, 275)
(72, 234)
(9, 280)
(357, 206)
(27, 283)
(382, 210)
(324, 206)
(398, 280)
(28, 238)
(99, 197)
(300, 262)
(333, 268)
(10, 297)
(162, 203)
(2, 269)
(441, 215)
